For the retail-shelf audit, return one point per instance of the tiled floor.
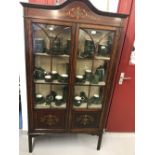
(79, 144)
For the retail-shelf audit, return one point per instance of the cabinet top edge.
(87, 2)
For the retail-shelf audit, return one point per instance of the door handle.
(122, 78)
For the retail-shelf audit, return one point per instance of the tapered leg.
(99, 141)
(30, 143)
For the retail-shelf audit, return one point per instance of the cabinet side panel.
(28, 55)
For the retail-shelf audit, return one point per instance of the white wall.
(22, 68)
(105, 5)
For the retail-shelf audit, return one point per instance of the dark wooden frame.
(74, 13)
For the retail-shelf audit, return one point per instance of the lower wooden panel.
(49, 119)
(85, 120)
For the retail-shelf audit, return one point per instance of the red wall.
(122, 112)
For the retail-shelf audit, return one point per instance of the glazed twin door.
(70, 71)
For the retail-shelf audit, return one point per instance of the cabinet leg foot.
(99, 141)
(30, 143)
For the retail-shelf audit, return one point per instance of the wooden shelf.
(95, 58)
(50, 55)
(90, 84)
(55, 82)
(51, 106)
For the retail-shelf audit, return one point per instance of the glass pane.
(51, 47)
(51, 50)
(94, 51)
(47, 96)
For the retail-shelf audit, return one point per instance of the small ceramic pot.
(88, 48)
(58, 100)
(39, 45)
(63, 78)
(68, 47)
(48, 78)
(39, 98)
(77, 100)
(95, 99)
(54, 75)
(102, 50)
(100, 71)
(79, 78)
(88, 75)
(56, 45)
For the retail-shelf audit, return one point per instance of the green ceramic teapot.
(51, 97)
(39, 73)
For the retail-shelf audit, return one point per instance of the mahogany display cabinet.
(72, 53)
